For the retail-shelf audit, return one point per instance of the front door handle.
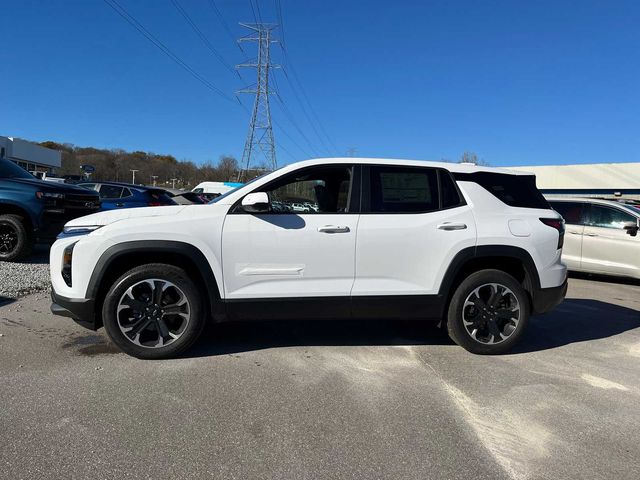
(575, 233)
(592, 234)
(452, 226)
(333, 229)
(119, 204)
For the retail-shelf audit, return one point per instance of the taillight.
(558, 224)
(155, 204)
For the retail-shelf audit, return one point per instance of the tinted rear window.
(514, 190)
(572, 212)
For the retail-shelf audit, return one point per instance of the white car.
(475, 247)
(602, 236)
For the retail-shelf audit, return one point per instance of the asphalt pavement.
(328, 400)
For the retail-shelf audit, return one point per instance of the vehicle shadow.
(237, 337)
(575, 320)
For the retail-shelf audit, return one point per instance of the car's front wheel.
(154, 311)
(488, 312)
(15, 242)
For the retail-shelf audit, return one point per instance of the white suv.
(476, 247)
(602, 236)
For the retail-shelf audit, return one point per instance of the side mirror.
(257, 202)
(631, 228)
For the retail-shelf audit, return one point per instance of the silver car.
(601, 236)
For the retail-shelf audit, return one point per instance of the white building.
(30, 156)
(615, 180)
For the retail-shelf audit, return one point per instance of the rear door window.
(403, 189)
(572, 212)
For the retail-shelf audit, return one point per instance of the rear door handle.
(452, 226)
(591, 234)
(333, 229)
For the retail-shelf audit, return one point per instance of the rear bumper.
(82, 311)
(546, 299)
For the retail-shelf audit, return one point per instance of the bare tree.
(472, 157)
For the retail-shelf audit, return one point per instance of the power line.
(304, 111)
(289, 116)
(131, 20)
(225, 25)
(253, 11)
(278, 8)
(202, 36)
(258, 9)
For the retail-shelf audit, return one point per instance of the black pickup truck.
(33, 210)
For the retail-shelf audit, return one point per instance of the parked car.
(602, 236)
(48, 177)
(475, 247)
(115, 195)
(33, 210)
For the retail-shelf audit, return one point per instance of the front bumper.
(82, 311)
(546, 299)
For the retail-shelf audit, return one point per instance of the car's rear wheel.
(488, 312)
(15, 242)
(154, 311)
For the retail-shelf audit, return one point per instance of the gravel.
(28, 276)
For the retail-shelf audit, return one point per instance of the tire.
(15, 241)
(488, 313)
(151, 325)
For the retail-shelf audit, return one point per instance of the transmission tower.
(260, 136)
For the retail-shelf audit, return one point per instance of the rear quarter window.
(514, 190)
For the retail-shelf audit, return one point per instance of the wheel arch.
(122, 257)
(515, 261)
(10, 208)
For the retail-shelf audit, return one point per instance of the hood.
(49, 186)
(106, 218)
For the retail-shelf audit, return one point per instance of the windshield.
(634, 208)
(9, 169)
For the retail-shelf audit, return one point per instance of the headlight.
(49, 195)
(79, 230)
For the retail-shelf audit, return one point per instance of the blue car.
(116, 195)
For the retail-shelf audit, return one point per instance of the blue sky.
(517, 82)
